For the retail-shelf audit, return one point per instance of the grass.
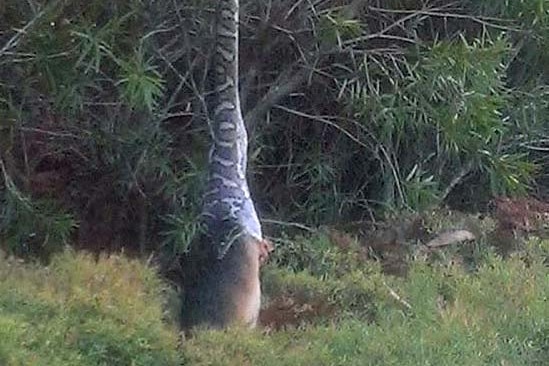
(79, 311)
(495, 315)
(330, 309)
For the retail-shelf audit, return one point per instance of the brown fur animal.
(226, 291)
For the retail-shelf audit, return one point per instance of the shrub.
(81, 311)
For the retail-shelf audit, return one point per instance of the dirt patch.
(524, 215)
(288, 311)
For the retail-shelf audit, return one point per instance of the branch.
(282, 87)
(14, 41)
(485, 21)
(327, 122)
(4, 171)
(396, 296)
(289, 224)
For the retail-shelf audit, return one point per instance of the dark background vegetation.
(356, 110)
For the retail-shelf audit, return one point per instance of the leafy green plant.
(93, 45)
(180, 232)
(442, 115)
(30, 227)
(335, 28)
(141, 83)
(81, 86)
(373, 109)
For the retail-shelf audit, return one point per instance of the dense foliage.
(355, 109)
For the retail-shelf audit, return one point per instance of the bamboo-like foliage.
(353, 108)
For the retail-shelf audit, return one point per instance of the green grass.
(79, 311)
(496, 315)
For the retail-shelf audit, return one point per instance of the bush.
(103, 112)
(81, 311)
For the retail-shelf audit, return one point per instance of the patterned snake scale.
(228, 210)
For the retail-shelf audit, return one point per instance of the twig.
(276, 93)
(395, 296)
(382, 33)
(530, 145)
(287, 84)
(291, 224)
(325, 121)
(14, 41)
(4, 171)
(51, 133)
(481, 20)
